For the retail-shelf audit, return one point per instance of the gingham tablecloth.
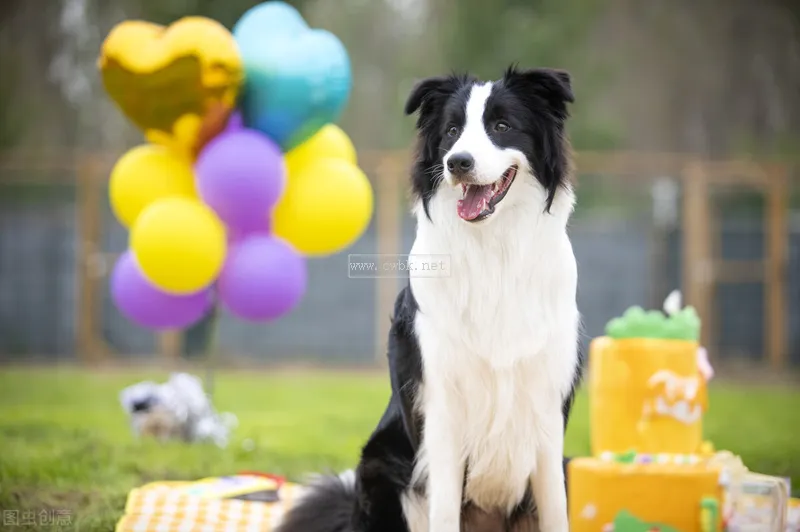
(163, 507)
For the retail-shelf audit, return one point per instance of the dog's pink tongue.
(474, 202)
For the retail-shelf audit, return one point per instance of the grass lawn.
(65, 443)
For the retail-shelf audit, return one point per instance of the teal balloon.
(297, 79)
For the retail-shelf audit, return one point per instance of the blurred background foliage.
(712, 77)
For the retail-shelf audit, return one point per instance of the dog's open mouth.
(479, 201)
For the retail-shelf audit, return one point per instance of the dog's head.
(485, 146)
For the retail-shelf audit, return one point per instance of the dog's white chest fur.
(498, 338)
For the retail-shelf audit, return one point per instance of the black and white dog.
(483, 362)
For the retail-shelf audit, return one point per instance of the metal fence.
(645, 224)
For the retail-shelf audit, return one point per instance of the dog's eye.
(501, 126)
(452, 131)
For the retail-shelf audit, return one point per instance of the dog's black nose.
(460, 163)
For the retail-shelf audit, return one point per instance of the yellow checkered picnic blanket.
(163, 507)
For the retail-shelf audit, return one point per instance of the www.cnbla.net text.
(399, 266)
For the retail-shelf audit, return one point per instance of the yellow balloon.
(143, 175)
(326, 207)
(330, 142)
(175, 83)
(180, 244)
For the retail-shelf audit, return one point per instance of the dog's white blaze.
(499, 340)
(490, 160)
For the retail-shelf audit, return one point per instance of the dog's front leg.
(548, 481)
(443, 455)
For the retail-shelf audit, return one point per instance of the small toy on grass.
(176, 410)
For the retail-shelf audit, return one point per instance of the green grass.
(65, 443)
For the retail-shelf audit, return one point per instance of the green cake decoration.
(627, 522)
(676, 324)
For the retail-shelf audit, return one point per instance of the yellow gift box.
(666, 496)
(645, 394)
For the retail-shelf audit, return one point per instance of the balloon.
(330, 142)
(236, 235)
(263, 278)
(297, 79)
(326, 207)
(180, 245)
(146, 305)
(145, 174)
(240, 174)
(177, 84)
(235, 122)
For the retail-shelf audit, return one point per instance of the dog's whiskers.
(437, 173)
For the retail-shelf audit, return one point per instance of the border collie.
(483, 362)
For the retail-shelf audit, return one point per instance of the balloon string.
(212, 349)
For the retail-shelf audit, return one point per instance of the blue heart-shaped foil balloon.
(297, 78)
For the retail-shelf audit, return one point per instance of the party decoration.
(663, 496)
(144, 174)
(330, 142)
(297, 79)
(240, 174)
(667, 492)
(146, 305)
(180, 244)
(636, 323)
(245, 173)
(170, 81)
(326, 207)
(645, 394)
(263, 278)
(648, 385)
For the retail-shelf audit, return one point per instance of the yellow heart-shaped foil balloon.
(178, 84)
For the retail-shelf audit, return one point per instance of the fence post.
(89, 348)
(387, 229)
(697, 262)
(777, 236)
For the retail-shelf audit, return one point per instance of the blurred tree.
(711, 77)
(12, 113)
(485, 37)
(227, 12)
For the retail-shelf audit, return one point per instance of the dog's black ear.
(558, 82)
(546, 92)
(551, 85)
(422, 91)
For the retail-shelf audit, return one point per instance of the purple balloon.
(263, 278)
(237, 235)
(146, 305)
(235, 122)
(241, 175)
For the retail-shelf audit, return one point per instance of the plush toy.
(176, 410)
